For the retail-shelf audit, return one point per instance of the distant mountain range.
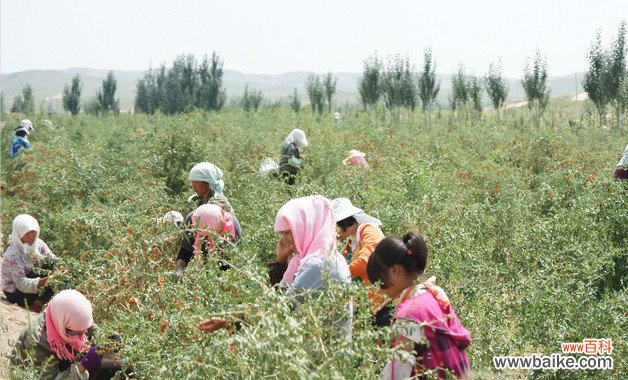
(48, 85)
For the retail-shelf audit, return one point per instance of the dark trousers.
(107, 369)
(21, 299)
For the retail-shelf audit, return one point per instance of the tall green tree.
(459, 90)
(475, 93)
(330, 89)
(211, 94)
(315, 92)
(72, 96)
(245, 102)
(25, 101)
(106, 95)
(295, 102)
(1, 103)
(399, 84)
(428, 86)
(496, 86)
(536, 86)
(369, 84)
(616, 73)
(594, 82)
(251, 99)
(142, 97)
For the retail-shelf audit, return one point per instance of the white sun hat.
(623, 161)
(27, 125)
(172, 217)
(343, 208)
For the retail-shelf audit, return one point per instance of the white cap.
(343, 208)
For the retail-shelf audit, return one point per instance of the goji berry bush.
(527, 232)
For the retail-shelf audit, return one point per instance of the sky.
(278, 36)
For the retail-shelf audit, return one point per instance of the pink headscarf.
(211, 219)
(357, 160)
(313, 226)
(69, 309)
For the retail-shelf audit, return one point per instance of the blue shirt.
(17, 143)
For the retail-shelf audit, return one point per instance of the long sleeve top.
(17, 143)
(312, 276)
(17, 265)
(360, 249)
(33, 343)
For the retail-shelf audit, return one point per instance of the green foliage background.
(526, 227)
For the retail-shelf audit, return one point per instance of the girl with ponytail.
(424, 320)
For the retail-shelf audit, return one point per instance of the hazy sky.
(276, 36)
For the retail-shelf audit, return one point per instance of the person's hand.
(210, 325)
(42, 282)
(91, 359)
(283, 251)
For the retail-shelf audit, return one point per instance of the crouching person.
(26, 256)
(58, 342)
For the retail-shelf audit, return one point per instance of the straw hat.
(343, 208)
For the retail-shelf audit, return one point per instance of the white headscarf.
(22, 224)
(297, 137)
(26, 124)
(623, 162)
(210, 173)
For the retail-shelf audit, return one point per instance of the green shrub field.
(528, 232)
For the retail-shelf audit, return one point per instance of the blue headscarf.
(210, 173)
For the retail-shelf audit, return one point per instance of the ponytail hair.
(410, 252)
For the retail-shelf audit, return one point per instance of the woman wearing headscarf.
(27, 252)
(361, 234)
(290, 161)
(621, 171)
(20, 137)
(308, 232)
(206, 179)
(356, 158)
(57, 340)
(212, 228)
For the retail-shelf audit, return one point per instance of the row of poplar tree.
(396, 84)
(104, 101)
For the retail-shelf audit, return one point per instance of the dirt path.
(12, 320)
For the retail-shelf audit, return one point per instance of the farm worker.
(173, 217)
(356, 158)
(57, 340)
(424, 319)
(20, 137)
(212, 228)
(206, 179)
(307, 228)
(27, 252)
(290, 161)
(361, 234)
(621, 171)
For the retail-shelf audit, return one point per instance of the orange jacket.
(370, 235)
